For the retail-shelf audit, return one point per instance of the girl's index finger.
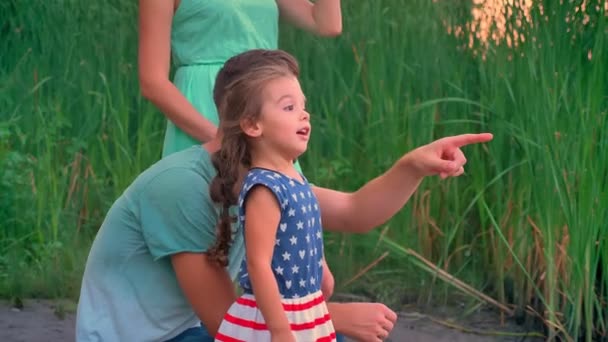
(468, 139)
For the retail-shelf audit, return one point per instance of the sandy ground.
(45, 321)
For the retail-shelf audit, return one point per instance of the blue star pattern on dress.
(297, 259)
(297, 265)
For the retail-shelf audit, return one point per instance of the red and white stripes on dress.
(308, 317)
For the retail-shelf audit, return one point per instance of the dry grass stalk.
(365, 269)
(460, 284)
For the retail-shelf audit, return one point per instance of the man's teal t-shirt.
(129, 290)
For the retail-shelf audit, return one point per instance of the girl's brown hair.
(238, 96)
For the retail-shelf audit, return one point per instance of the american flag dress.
(296, 264)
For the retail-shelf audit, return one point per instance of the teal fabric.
(129, 290)
(204, 35)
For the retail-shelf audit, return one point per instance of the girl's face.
(283, 127)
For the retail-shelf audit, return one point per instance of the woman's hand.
(322, 17)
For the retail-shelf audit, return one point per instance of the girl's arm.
(207, 287)
(262, 216)
(381, 198)
(155, 17)
(328, 283)
(323, 17)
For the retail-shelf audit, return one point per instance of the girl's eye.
(289, 108)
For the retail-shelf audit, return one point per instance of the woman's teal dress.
(204, 35)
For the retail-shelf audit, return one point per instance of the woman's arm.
(262, 216)
(323, 17)
(155, 18)
(207, 287)
(381, 198)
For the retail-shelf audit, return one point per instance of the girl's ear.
(251, 127)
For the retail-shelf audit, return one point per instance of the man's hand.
(364, 322)
(443, 157)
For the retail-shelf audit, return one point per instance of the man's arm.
(207, 287)
(382, 197)
(372, 204)
(178, 222)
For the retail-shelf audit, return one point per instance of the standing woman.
(198, 36)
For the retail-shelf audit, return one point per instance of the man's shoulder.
(188, 168)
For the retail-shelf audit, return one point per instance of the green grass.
(526, 225)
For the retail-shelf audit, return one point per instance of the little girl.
(265, 128)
